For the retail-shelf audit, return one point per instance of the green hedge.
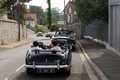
(39, 29)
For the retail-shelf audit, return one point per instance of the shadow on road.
(53, 76)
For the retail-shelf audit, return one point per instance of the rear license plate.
(45, 70)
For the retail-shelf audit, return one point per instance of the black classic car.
(68, 35)
(48, 61)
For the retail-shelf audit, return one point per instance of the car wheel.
(28, 70)
(73, 48)
(68, 72)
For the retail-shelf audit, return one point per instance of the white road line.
(20, 68)
(6, 79)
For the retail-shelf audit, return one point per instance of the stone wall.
(9, 31)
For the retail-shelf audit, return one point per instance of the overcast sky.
(54, 3)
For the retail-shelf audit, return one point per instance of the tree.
(39, 29)
(1, 8)
(8, 3)
(41, 15)
(55, 14)
(49, 18)
(91, 10)
(54, 26)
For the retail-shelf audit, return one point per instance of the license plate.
(45, 70)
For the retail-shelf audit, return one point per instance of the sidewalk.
(104, 62)
(15, 44)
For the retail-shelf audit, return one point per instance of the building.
(70, 13)
(31, 19)
(70, 17)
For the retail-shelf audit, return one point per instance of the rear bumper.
(47, 66)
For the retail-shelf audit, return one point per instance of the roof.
(30, 19)
(70, 3)
(8, 20)
(32, 15)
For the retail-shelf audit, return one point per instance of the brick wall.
(9, 31)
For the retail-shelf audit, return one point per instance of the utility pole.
(26, 19)
(64, 15)
(18, 20)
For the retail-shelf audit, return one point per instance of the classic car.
(48, 61)
(66, 34)
(39, 34)
(52, 34)
(47, 34)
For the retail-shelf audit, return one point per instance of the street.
(12, 65)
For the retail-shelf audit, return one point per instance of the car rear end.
(46, 62)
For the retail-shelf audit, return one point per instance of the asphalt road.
(12, 66)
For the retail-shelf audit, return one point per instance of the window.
(70, 18)
(74, 12)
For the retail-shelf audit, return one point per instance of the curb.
(21, 44)
(114, 50)
(95, 68)
(18, 45)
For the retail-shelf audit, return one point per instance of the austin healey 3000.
(48, 61)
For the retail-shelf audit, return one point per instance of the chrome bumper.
(47, 66)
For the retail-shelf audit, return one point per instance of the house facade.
(71, 22)
(70, 17)
(31, 19)
(70, 13)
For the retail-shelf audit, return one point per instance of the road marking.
(20, 67)
(6, 79)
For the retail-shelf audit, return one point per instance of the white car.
(52, 34)
(39, 34)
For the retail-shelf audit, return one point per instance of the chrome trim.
(34, 65)
(58, 65)
(47, 66)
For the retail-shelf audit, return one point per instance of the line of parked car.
(47, 34)
(67, 34)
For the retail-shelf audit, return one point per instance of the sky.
(54, 3)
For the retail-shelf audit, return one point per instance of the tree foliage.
(8, 3)
(49, 15)
(55, 14)
(41, 15)
(1, 8)
(89, 10)
(39, 29)
(54, 26)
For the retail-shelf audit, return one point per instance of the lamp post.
(18, 20)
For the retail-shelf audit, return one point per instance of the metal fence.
(114, 24)
(97, 32)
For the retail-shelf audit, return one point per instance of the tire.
(67, 73)
(29, 72)
(73, 48)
